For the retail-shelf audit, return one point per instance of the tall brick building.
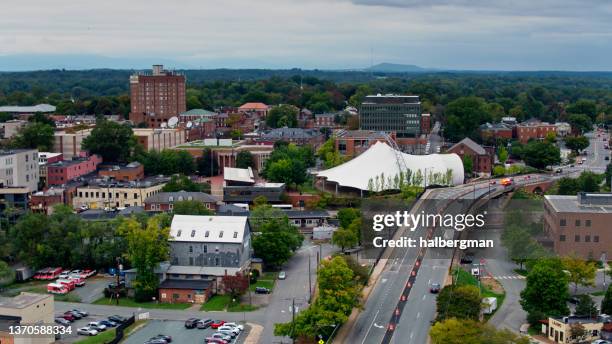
(156, 97)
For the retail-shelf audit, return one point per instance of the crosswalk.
(509, 277)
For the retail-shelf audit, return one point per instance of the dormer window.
(193, 233)
(171, 199)
(235, 235)
(206, 234)
(221, 234)
(178, 234)
(190, 198)
(180, 198)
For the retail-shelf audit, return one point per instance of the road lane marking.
(370, 327)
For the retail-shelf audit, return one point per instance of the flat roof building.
(579, 224)
(26, 309)
(391, 113)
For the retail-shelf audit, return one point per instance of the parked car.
(235, 330)
(89, 272)
(191, 322)
(227, 331)
(233, 324)
(97, 326)
(81, 312)
(156, 341)
(117, 318)
(435, 288)
(168, 339)
(217, 323)
(87, 331)
(215, 340)
(221, 336)
(282, 275)
(204, 323)
(68, 316)
(64, 275)
(76, 315)
(108, 323)
(262, 290)
(62, 321)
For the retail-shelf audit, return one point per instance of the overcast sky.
(455, 34)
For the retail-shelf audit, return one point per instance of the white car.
(64, 275)
(97, 326)
(232, 324)
(87, 331)
(228, 331)
(282, 275)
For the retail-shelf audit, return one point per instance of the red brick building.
(324, 120)
(425, 123)
(185, 291)
(123, 173)
(259, 109)
(534, 129)
(482, 161)
(62, 172)
(355, 142)
(156, 97)
(493, 132)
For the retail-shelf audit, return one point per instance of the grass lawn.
(216, 303)
(38, 287)
(109, 335)
(598, 293)
(129, 302)
(219, 303)
(263, 283)
(465, 278)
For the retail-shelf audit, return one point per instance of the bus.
(56, 288)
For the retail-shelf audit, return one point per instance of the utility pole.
(117, 281)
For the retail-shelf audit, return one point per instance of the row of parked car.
(93, 327)
(226, 331)
(66, 280)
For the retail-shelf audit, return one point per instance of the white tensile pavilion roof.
(381, 159)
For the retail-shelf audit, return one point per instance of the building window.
(190, 260)
(577, 238)
(577, 223)
(175, 296)
(193, 233)
(205, 247)
(596, 238)
(206, 234)
(235, 235)
(190, 249)
(587, 238)
(217, 261)
(561, 237)
(220, 234)
(562, 223)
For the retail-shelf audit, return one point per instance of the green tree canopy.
(576, 143)
(463, 116)
(282, 116)
(192, 207)
(244, 159)
(181, 183)
(546, 291)
(540, 154)
(34, 135)
(112, 141)
(461, 302)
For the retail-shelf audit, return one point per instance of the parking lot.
(177, 330)
(73, 337)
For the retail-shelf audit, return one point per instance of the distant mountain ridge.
(397, 68)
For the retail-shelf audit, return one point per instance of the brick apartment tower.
(156, 97)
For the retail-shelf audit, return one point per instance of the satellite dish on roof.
(164, 125)
(189, 124)
(173, 121)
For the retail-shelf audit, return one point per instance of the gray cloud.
(476, 34)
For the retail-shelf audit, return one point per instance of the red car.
(215, 340)
(217, 324)
(68, 316)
